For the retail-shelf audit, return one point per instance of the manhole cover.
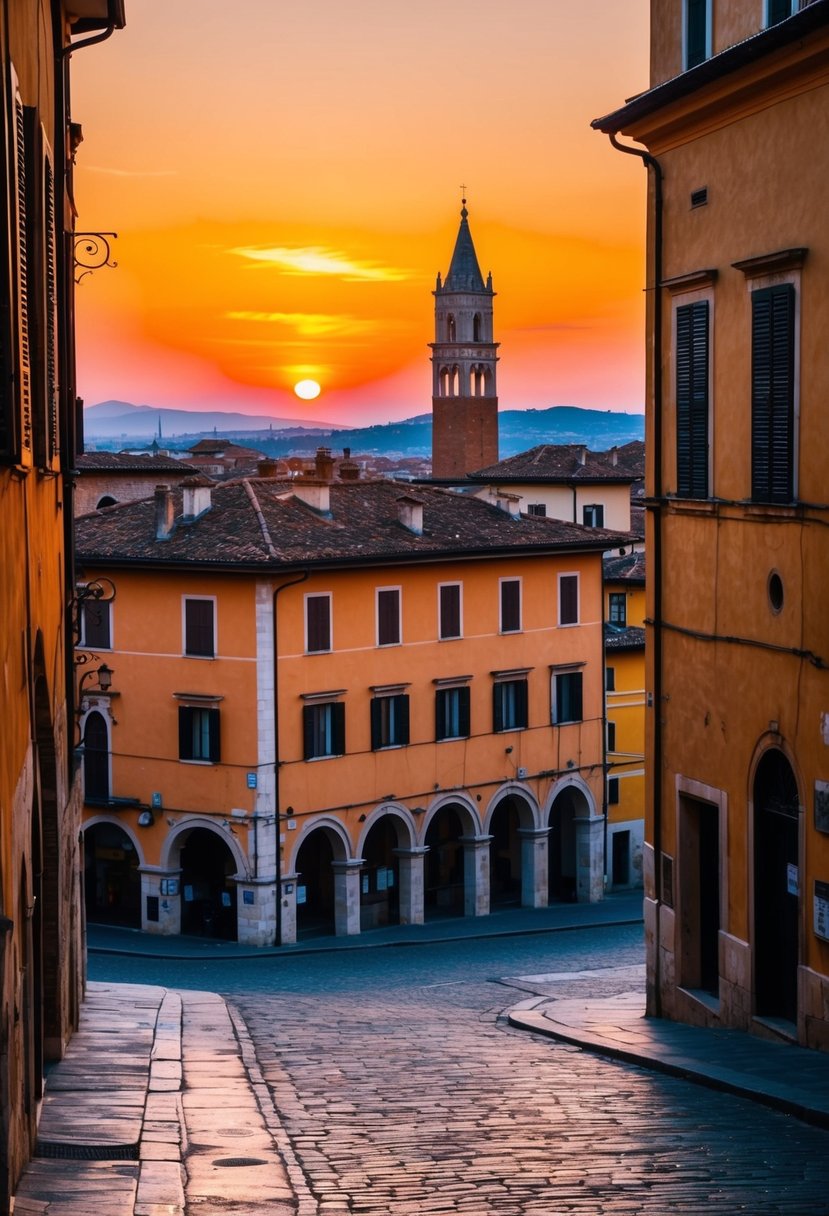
(234, 1131)
(240, 1161)
(86, 1152)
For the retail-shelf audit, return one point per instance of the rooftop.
(264, 522)
(627, 569)
(623, 637)
(551, 462)
(129, 462)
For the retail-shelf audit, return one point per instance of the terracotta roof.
(553, 462)
(617, 637)
(255, 522)
(126, 462)
(627, 569)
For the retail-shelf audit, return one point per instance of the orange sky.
(284, 181)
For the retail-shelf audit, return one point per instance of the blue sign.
(251, 781)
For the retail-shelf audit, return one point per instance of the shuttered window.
(692, 407)
(697, 18)
(509, 705)
(7, 243)
(95, 758)
(772, 394)
(317, 623)
(199, 641)
(452, 713)
(323, 730)
(510, 605)
(199, 734)
(389, 721)
(567, 697)
(450, 610)
(96, 633)
(568, 599)
(388, 617)
(43, 297)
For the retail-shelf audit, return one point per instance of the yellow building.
(737, 865)
(338, 704)
(624, 591)
(41, 929)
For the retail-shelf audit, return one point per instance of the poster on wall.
(822, 910)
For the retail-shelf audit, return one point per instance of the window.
(96, 625)
(697, 32)
(593, 515)
(610, 679)
(198, 734)
(779, 10)
(617, 608)
(42, 292)
(452, 713)
(389, 721)
(388, 616)
(510, 605)
(692, 358)
(509, 705)
(199, 628)
(772, 393)
(568, 599)
(611, 736)
(95, 758)
(450, 610)
(323, 729)
(537, 508)
(317, 623)
(567, 697)
(613, 791)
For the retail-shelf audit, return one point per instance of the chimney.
(614, 456)
(315, 494)
(410, 513)
(195, 496)
(324, 464)
(266, 468)
(349, 470)
(508, 503)
(164, 512)
(581, 454)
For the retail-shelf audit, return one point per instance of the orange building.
(337, 705)
(41, 922)
(737, 864)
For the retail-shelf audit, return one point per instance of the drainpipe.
(276, 805)
(655, 560)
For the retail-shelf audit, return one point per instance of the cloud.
(131, 172)
(317, 260)
(309, 324)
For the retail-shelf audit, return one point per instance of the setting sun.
(307, 389)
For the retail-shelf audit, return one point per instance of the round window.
(775, 590)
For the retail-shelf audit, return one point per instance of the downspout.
(655, 560)
(605, 769)
(277, 812)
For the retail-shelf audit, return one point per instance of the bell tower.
(464, 396)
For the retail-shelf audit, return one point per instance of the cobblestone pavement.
(404, 1100)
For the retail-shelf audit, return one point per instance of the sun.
(307, 389)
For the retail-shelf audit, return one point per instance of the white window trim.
(708, 33)
(204, 657)
(568, 574)
(318, 595)
(520, 581)
(678, 301)
(398, 588)
(455, 636)
(82, 643)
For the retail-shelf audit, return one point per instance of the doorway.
(776, 887)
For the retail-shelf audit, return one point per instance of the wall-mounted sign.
(822, 910)
(301, 895)
(169, 886)
(251, 781)
(822, 806)
(247, 898)
(791, 878)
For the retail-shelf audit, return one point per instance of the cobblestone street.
(421, 1100)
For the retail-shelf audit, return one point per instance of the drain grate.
(240, 1161)
(234, 1131)
(54, 1149)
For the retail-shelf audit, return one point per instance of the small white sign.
(791, 878)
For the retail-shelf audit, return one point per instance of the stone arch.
(112, 883)
(173, 844)
(96, 756)
(576, 860)
(323, 843)
(387, 829)
(510, 819)
(403, 820)
(211, 862)
(106, 501)
(451, 328)
(451, 820)
(776, 809)
(477, 329)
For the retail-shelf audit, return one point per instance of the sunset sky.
(284, 179)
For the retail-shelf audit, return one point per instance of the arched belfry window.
(95, 758)
(450, 328)
(476, 327)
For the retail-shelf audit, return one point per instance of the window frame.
(613, 791)
(461, 694)
(609, 678)
(760, 289)
(570, 574)
(204, 748)
(614, 599)
(103, 758)
(378, 616)
(334, 710)
(597, 512)
(794, 6)
(389, 720)
(518, 607)
(318, 596)
(565, 673)
(105, 608)
(689, 8)
(187, 653)
(693, 360)
(517, 702)
(538, 509)
(442, 635)
(610, 734)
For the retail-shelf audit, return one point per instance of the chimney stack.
(324, 464)
(581, 454)
(266, 468)
(349, 470)
(164, 512)
(410, 513)
(195, 497)
(614, 456)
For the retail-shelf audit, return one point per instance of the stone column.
(288, 910)
(411, 884)
(157, 885)
(475, 875)
(347, 897)
(535, 884)
(589, 858)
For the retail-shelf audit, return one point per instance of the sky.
(285, 180)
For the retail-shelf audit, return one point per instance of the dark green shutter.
(185, 733)
(338, 728)
(576, 712)
(779, 10)
(376, 724)
(772, 394)
(568, 590)
(403, 709)
(696, 40)
(308, 712)
(521, 702)
(692, 400)
(497, 707)
(214, 735)
(463, 712)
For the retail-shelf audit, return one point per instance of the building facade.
(41, 924)
(737, 863)
(337, 705)
(464, 361)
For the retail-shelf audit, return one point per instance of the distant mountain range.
(115, 424)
